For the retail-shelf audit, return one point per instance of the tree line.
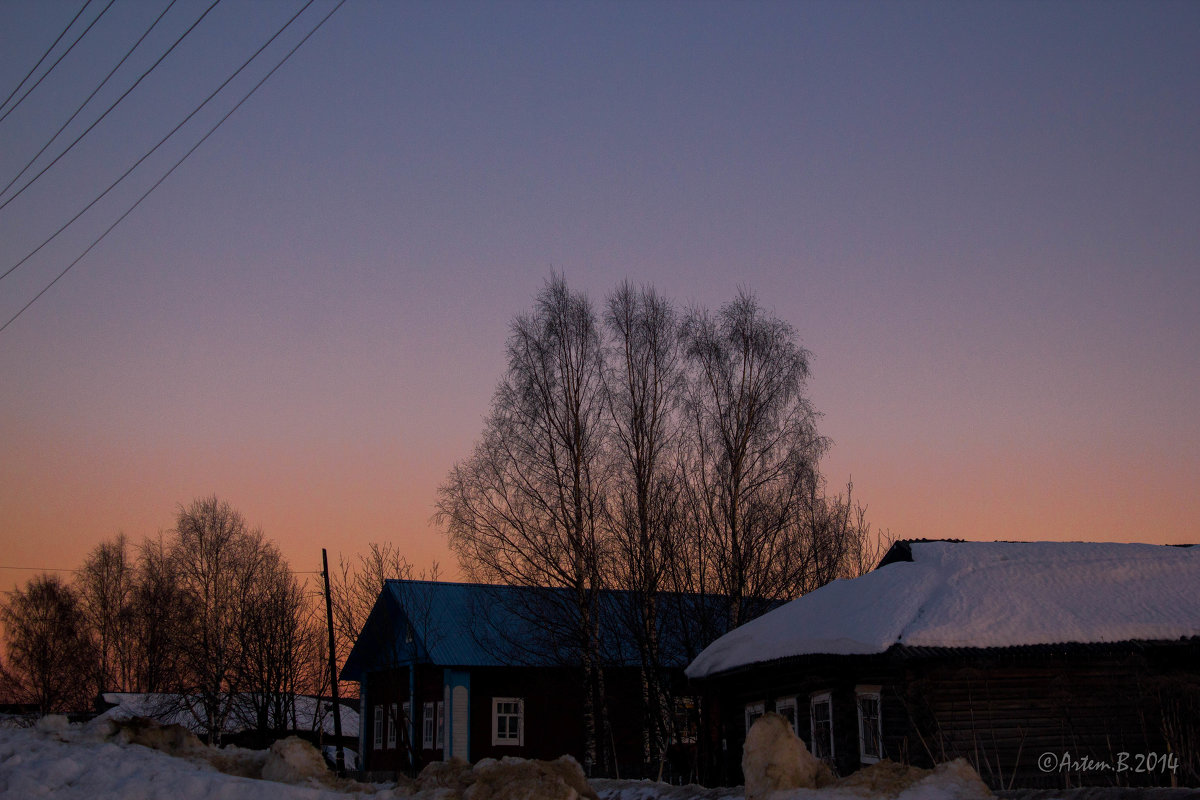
(210, 617)
(672, 454)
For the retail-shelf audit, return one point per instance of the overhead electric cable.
(157, 183)
(83, 105)
(161, 142)
(42, 569)
(70, 47)
(71, 146)
(49, 50)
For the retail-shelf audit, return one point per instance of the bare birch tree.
(160, 615)
(48, 650)
(276, 631)
(216, 560)
(754, 450)
(644, 380)
(524, 509)
(105, 585)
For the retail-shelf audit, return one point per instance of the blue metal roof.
(477, 625)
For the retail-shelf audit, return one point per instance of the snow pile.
(106, 760)
(53, 725)
(293, 760)
(981, 594)
(774, 758)
(506, 779)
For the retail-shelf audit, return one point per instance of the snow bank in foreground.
(89, 763)
(96, 762)
(504, 779)
(886, 781)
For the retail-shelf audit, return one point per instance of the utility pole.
(333, 677)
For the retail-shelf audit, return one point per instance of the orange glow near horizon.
(993, 261)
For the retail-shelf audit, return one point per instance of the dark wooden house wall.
(1001, 709)
(553, 722)
(727, 699)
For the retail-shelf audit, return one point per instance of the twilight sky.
(982, 218)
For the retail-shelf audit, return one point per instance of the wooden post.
(333, 676)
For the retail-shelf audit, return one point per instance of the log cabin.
(464, 670)
(1045, 664)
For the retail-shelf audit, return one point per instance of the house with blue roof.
(461, 670)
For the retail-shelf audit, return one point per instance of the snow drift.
(506, 779)
(774, 758)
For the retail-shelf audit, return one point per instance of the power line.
(71, 146)
(49, 49)
(161, 141)
(70, 47)
(83, 105)
(157, 183)
(42, 569)
(64, 569)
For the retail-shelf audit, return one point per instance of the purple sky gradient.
(982, 218)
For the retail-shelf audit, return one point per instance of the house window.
(870, 732)
(427, 727)
(378, 727)
(687, 720)
(508, 720)
(391, 726)
(786, 707)
(405, 717)
(753, 712)
(820, 713)
(441, 726)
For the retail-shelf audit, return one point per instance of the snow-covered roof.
(167, 708)
(981, 594)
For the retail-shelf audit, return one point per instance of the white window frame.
(789, 702)
(379, 727)
(440, 735)
(391, 726)
(497, 739)
(815, 700)
(869, 693)
(754, 711)
(427, 726)
(685, 714)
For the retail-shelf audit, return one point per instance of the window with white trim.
(427, 727)
(378, 727)
(405, 718)
(820, 716)
(391, 725)
(508, 720)
(687, 719)
(870, 730)
(786, 708)
(441, 727)
(753, 712)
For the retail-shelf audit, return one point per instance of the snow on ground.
(981, 594)
(86, 762)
